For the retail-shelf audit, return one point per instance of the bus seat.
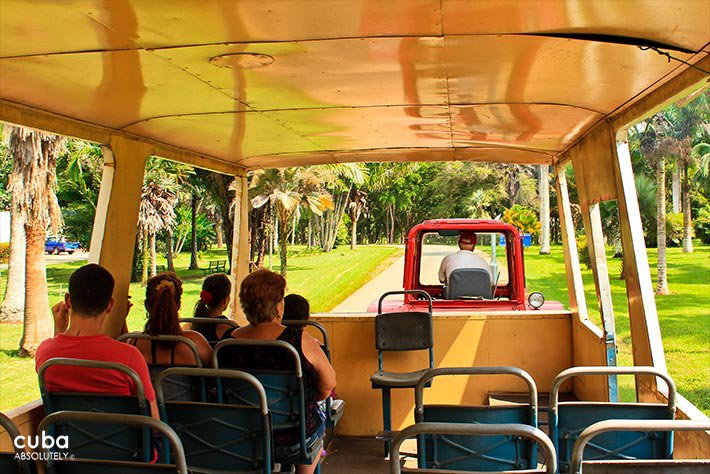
(476, 453)
(99, 440)
(285, 392)
(334, 407)
(9, 462)
(186, 389)
(568, 419)
(214, 321)
(81, 465)
(401, 331)
(215, 436)
(468, 283)
(490, 431)
(679, 466)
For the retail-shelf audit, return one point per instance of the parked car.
(55, 245)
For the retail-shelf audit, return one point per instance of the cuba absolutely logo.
(44, 442)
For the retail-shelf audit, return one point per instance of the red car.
(498, 243)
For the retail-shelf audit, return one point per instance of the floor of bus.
(348, 455)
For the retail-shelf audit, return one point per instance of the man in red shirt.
(77, 335)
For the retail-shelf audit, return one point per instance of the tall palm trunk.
(153, 263)
(146, 260)
(169, 252)
(194, 264)
(544, 192)
(662, 283)
(38, 322)
(353, 234)
(219, 237)
(283, 244)
(687, 217)
(13, 305)
(675, 187)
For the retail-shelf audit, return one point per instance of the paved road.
(391, 278)
(61, 258)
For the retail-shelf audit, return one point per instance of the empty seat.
(569, 419)
(682, 466)
(125, 443)
(134, 423)
(12, 463)
(234, 437)
(476, 453)
(468, 283)
(399, 332)
(470, 430)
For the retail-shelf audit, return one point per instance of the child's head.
(296, 308)
(214, 295)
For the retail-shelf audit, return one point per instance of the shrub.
(702, 224)
(583, 251)
(4, 252)
(674, 229)
(522, 218)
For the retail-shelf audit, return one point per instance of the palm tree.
(34, 170)
(286, 190)
(357, 206)
(544, 195)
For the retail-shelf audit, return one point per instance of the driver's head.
(467, 241)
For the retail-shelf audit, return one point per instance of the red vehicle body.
(511, 296)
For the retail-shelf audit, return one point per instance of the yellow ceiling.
(351, 80)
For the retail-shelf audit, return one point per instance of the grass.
(684, 315)
(325, 279)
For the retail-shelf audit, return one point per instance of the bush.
(583, 251)
(522, 218)
(4, 252)
(702, 224)
(674, 229)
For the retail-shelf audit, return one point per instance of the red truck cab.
(497, 242)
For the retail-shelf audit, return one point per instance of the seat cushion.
(384, 379)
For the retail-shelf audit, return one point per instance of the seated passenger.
(214, 300)
(296, 308)
(262, 299)
(464, 258)
(162, 301)
(77, 335)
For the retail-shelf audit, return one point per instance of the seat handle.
(426, 295)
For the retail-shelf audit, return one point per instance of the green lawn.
(325, 279)
(684, 315)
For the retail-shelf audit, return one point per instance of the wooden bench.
(215, 266)
(138, 271)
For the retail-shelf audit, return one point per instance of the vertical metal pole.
(387, 417)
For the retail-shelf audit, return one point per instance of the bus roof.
(252, 84)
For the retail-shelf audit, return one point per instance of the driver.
(464, 258)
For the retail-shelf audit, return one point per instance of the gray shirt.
(461, 259)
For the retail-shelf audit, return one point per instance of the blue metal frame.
(476, 453)
(568, 419)
(10, 462)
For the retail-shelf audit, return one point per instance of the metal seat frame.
(23, 465)
(469, 429)
(473, 454)
(570, 435)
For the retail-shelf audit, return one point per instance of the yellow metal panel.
(589, 349)
(537, 342)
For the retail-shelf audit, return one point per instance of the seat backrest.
(451, 430)
(285, 390)
(469, 283)
(100, 440)
(198, 324)
(569, 419)
(476, 453)
(216, 436)
(13, 462)
(404, 331)
(78, 465)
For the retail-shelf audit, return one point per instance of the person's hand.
(60, 313)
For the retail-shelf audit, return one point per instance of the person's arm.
(326, 373)
(139, 365)
(442, 270)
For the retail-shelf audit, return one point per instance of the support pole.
(645, 330)
(575, 285)
(240, 245)
(116, 221)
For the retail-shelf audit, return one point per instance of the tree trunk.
(293, 231)
(544, 191)
(219, 235)
(153, 262)
(662, 283)
(676, 187)
(687, 217)
(353, 233)
(169, 247)
(194, 264)
(146, 260)
(37, 323)
(390, 237)
(310, 233)
(283, 245)
(13, 304)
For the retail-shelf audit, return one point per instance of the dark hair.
(162, 300)
(90, 290)
(259, 294)
(215, 289)
(296, 308)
